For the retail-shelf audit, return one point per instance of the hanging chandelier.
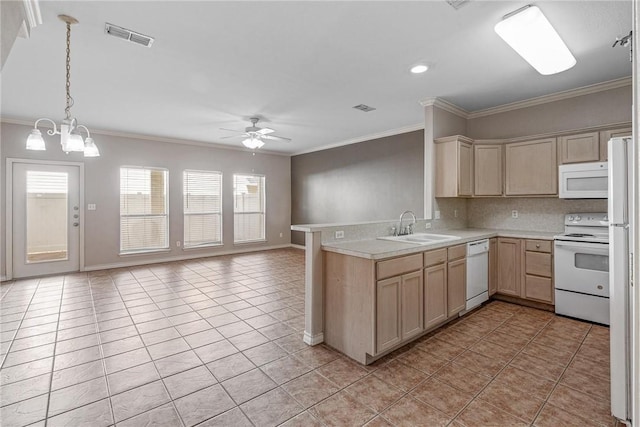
(70, 137)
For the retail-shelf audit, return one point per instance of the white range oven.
(581, 260)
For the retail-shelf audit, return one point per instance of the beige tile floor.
(218, 342)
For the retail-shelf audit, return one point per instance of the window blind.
(144, 219)
(202, 205)
(248, 208)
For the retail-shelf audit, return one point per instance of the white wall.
(102, 188)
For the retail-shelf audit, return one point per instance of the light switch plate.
(437, 215)
(91, 207)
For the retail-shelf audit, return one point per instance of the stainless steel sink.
(421, 238)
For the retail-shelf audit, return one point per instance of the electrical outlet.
(91, 207)
(455, 213)
(427, 225)
(514, 214)
(280, 234)
(178, 243)
(437, 215)
(340, 234)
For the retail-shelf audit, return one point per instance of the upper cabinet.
(606, 135)
(531, 168)
(583, 147)
(454, 167)
(487, 166)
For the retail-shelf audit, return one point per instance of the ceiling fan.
(255, 136)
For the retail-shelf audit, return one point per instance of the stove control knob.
(578, 218)
(571, 218)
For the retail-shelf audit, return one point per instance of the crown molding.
(445, 105)
(152, 138)
(369, 137)
(558, 96)
(32, 17)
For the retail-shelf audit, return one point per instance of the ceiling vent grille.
(364, 108)
(457, 4)
(124, 34)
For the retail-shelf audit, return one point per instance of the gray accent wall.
(102, 188)
(368, 181)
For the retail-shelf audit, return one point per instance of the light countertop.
(377, 249)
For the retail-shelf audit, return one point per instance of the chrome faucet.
(403, 231)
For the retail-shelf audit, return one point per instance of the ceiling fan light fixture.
(253, 143)
(532, 36)
(419, 68)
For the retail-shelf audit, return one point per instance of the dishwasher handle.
(477, 247)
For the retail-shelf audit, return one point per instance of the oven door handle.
(582, 245)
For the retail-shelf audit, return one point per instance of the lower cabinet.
(435, 295)
(399, 309)
(493, 266)
(457, 286)
(525, 269)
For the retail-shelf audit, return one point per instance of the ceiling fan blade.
(276, 138)
(265, 131)
(233, 130)
(234, 136)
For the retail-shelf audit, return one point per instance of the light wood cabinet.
(456, 280)
(531, 168)
(454, 167)
(388, 332)
(493, 266)
(538, 271)
(435, 288)
(487, 166)
(606, 135)
(411, 305)
(509, 266)
(583, 147)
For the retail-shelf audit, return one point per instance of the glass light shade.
(35, 141)
(418, 69)
(73, 142)
(90, 148)
(532, 36)
(253, 143)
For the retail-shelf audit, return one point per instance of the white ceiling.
(299, 65)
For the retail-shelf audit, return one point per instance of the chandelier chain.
(67, 110)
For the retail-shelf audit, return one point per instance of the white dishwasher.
(477, 273)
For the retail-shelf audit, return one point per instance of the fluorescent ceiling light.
(530, 34)
(418, 69)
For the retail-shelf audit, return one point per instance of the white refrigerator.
(621, 228)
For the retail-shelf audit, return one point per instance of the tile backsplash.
(534, 214)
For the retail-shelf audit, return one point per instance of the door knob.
(75, 224)
(75, 216)
(75, 208)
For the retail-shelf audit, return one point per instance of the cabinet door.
(509, 266)
(606, 135)
(412, 304)
(584, 147)
(538, 288)
(493, 266)
(531, 168)
(465, 169)
(487, 161)
(435, 295)
(456, 286)
(388, 332)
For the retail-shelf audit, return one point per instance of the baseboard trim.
(313, 339)
(137, 262)
(298, 246)
(3, 278)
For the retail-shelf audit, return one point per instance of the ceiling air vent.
(132, 36)
(364, 108)
(456, 4)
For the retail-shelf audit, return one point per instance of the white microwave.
(583, 180)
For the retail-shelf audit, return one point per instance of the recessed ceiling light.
(419, 69)
(532, 36)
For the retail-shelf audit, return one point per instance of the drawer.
(435, 257)
(537, 263)
(538, 288)
(398, 266)
(456, 252)
(538, 246)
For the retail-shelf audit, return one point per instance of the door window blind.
(248, 208)
(144, 219)
(202, 205)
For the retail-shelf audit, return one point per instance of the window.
(248, 208)
(202, 204)
(144, 219)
